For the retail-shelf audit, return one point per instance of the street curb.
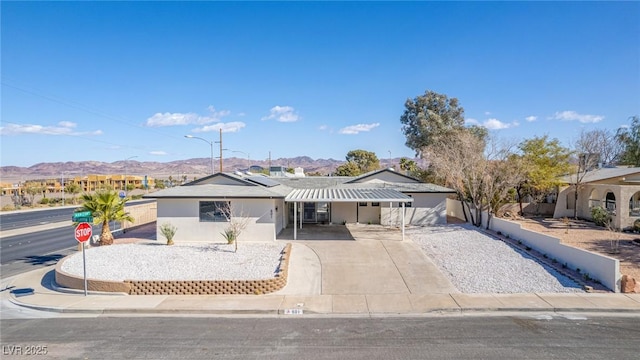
(257, 312)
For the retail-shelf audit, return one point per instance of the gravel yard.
(153, 261)
(478, 263)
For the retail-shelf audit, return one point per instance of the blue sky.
(108, 81)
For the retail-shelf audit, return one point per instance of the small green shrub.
(600, 216)
(44, 201)
(636, 226)
(168, 231)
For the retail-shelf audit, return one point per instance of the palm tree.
(106, 206)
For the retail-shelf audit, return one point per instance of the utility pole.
(220, 149)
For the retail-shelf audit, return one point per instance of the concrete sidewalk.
(352, 278)
(45, 297)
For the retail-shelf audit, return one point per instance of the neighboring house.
(274, 203)
(615, 189)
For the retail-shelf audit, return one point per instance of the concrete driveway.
(369, 259)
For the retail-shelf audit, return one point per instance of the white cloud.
(487, 113)
(62, 128)
(355, 129)
(571, 115)
(157, 152)
(531, 118)
(233, 126)
(471, 121)
(323, 127)
(173, 119)
(282, 114)
(495, 124)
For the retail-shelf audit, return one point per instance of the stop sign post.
(82, 234)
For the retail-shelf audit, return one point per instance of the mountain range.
(196, 167)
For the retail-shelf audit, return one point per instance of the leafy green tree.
(348, 169)
(73, 189)
(408, 165)
(365, 160)
(630, 138)
(358, 162)
(158, 184)
(428, 116)
(33, 188)
(105, 206)
(546, 161)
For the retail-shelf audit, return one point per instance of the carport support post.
(295, 220)
(403, 221)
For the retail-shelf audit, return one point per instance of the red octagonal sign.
(83, 232)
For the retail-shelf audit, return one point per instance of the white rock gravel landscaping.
(478, 263)
(153, 261)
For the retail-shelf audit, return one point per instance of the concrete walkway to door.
(369, 260)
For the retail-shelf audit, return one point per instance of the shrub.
(168, 231)
(600, 216)
(44, 201)
(636, 226)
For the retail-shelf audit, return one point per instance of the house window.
(362, 204)
(610, 201)
(214, 211)
(375, 204)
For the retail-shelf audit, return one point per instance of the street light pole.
(242, 152)
(210, 144)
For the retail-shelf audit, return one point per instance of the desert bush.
(168, 231)
(600, 216)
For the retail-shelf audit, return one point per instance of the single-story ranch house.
(615, 189)
(270, 204)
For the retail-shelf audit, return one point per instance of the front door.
(309, 213)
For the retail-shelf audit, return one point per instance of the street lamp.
(125, 172)
(208, 142)
(248, 160)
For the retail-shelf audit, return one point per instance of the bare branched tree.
(458, 158)
(593, 147)
(481, 173)
(237, 223)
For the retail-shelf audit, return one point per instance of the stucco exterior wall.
(281, 218)
(603, 268)
(594, 195)
(368, 214)
(184, 214)
(600, 267)
(343, 212)
(389, 177)
(426, 209)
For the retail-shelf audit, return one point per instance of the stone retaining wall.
(195, 287)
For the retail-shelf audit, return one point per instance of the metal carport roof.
(346, 195)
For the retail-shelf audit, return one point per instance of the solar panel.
(264, 181)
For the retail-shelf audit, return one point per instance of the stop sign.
(83, 232)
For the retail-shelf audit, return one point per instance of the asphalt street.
(473, 337)
(42, 237)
